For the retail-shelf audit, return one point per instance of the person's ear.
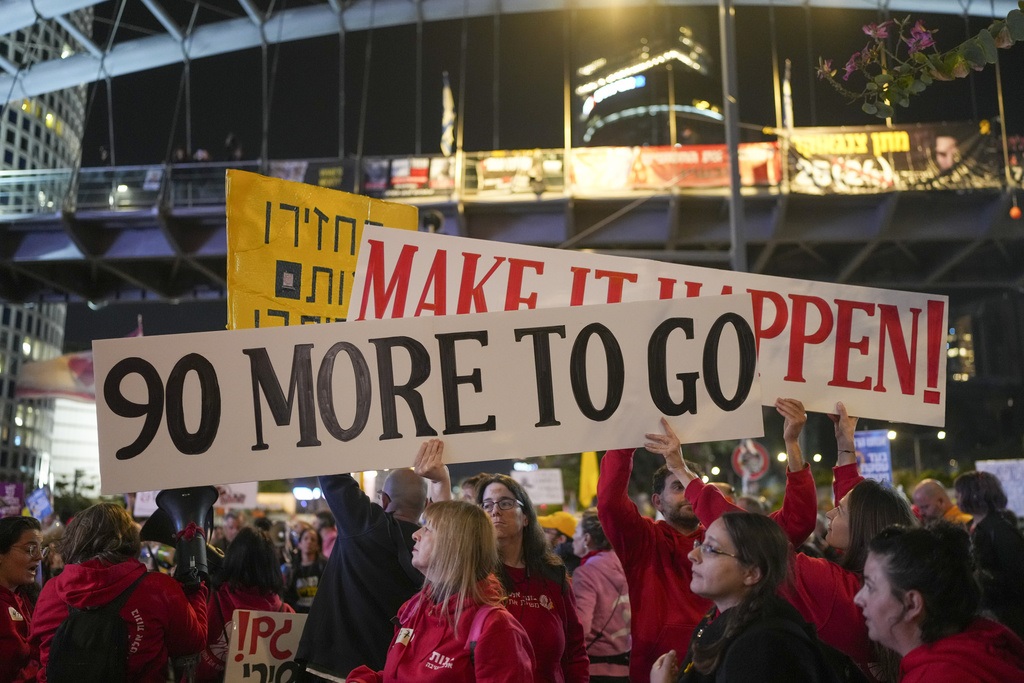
(385, 500)
(656, 501)
(752, 576)
(587, 540)
(913, 606)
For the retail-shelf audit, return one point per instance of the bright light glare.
(891, 434)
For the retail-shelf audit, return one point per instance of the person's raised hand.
(429, 464)
(794, 416)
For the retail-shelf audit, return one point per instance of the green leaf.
(926, 79)
(919, 86)
(883, 79)
(973, 53)
(885, 111)
(1015, 22)
(988, 46)
(868, 108)
(870, 87)
(905, 102)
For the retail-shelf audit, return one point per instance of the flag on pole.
(588, 479)
(68, 376)
(447, 118)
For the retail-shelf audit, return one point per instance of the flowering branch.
(891, 76)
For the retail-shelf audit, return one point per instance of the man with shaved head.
(933, 504)
(369, 574)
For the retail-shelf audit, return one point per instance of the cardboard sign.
(220, 407)
(262, 647)
(874, 454)
(543, 486)
(12, 498)
(1011, 476)
(39, 505)
(292, 248)
(881, 352)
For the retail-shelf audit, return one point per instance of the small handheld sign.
(750, 460)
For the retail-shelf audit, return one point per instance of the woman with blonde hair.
(101, 548)
(456, 628)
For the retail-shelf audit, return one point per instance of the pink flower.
(920, 38)
(878, 31)
(851, 66)
(825, 70)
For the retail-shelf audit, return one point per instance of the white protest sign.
(262, 647)
(1011, 476)
(240, 496)
(881, 352)
(271, 403)
(543, 486)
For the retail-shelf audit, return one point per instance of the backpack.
(91, 644)
(476, 628)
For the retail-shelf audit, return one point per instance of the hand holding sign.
(667, 445)
(845, 427)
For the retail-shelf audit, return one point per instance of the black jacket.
(368, 577)
(778, 647)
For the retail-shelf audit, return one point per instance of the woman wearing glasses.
(750, 634)
(455, 629)
(539, 594)
(21, 551)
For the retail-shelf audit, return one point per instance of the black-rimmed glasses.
(502, 504)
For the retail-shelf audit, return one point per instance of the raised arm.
(430, 465)
(794, 418)
(667, 446)
(845, 474)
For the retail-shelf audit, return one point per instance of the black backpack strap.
(117, 603)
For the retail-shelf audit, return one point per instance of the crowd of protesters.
(417, 587)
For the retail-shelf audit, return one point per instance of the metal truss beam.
(320, 20)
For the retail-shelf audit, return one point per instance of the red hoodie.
(427, 650)
(15, 621)
(161, 620)
(655, 556)
(221, 611)
(987, 652)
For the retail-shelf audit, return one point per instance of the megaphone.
(190, 511)
(160, 529)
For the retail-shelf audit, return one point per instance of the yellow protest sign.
(292, 248)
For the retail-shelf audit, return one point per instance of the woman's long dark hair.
(761, 543)
(872, 507)
(251, 563)
(537, 556)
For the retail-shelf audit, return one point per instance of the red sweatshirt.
(987, 652)
(221, 611)
(654, 555)
(16, 662)
(426, 649)
(161, 620)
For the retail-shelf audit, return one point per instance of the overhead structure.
(172, 43)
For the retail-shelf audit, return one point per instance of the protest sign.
(240, 496)
(1011, 476)
(874, 455)
(38, 502)
(292, 248)
(544, 486)
(262, 646)
(881, 352)
(12, 498)
(210, 408)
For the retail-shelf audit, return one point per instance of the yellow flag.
(292, 248)
(588, 479)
